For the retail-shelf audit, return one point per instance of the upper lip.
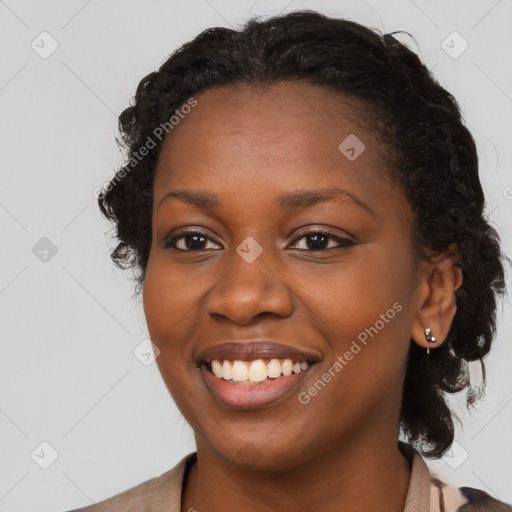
(252, 350)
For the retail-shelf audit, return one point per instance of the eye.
(318, 240)
(189, 241)
(315, 240)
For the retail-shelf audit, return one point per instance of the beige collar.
(167, 495)
(418, 494)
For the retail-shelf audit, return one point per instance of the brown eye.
(189, 241)
(316, 240)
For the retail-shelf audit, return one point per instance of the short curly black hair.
(431, 156)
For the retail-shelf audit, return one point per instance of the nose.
(248, 290)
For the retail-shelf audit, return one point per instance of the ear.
(439, 280)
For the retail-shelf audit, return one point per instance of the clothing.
(427, 492)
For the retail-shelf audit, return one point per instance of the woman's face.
(251, 284)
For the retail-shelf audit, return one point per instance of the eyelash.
(343, 242)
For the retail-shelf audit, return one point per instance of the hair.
(430, 154)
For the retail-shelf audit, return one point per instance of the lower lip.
(251, 396)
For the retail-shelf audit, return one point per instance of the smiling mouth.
(256, 371)
(254, 374)
(250, 386)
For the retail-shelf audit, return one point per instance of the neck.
(356, 476)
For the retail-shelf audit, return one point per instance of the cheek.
(168, 297)
(170, 304)
(364, 313)
(172, 308)
(345, 302)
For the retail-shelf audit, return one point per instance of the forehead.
(285, 136)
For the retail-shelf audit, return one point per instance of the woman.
(303, 205)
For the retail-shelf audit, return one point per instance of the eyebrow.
(292, 200)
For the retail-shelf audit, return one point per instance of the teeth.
(274, 368)
(217, 368)
(256, 371)
(240, 371)
(287, 367)
(227, 370)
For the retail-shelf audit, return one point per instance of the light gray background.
(69, 325)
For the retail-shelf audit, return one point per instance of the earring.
(430, 338)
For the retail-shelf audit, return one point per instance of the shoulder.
(447, 497)
(160, 493)
(430, 490)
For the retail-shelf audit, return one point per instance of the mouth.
(254, 374)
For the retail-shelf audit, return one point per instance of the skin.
(249, 146)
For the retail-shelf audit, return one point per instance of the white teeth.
(287, 367)
(227, 370)
(240, 371)
(217, 368)
(256, 371)
(274, 368)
